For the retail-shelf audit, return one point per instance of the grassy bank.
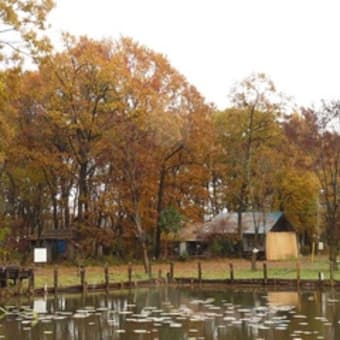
(211, 269)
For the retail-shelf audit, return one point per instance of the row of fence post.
(265, 273)
(169, 275)
(83, 282)
(298, 274)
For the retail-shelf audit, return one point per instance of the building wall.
(281, 245)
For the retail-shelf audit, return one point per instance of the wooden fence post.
(6, 277)
(171, 270)
(31, 282)
(150, 270)
(82, 278)
(231, 270)
(130, 274)
(321, 278)
(331, 273)
(106, 277)
(18, 284)
(265, 273)
(199, 270)
(55, 279)
(298, 273)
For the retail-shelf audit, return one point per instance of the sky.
(215, 43)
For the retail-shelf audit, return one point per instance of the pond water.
(176, 313)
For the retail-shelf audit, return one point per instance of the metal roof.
(53, 234)
(226, 223)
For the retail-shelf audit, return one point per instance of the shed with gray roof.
(276, 237)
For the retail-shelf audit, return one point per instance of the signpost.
(253, 259)
(40, 255)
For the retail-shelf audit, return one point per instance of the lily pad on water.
(299, 316)
(193, 330)
(59, 317)
(64, 313)
(141, 331)
(48, 332)
(80, 316)
(125, 312)
(26, 322)
(176, 325)
(120, 331)
(102, 309)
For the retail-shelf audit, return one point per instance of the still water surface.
(175, 314)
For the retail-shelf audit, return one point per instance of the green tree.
(170, 223)
(170, 220)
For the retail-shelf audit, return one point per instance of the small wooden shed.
(276, 235)
(58, 242)
(189, 240)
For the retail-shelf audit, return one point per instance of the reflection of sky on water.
(169, 313)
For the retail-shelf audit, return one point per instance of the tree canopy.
(21, 26)
(108, 140)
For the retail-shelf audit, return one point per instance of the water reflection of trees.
(320, 310)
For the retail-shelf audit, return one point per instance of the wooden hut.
(276, 237)
(189, 241)
(58, 242)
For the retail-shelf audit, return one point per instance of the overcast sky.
(217, 42)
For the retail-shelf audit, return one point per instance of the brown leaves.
(25, 19)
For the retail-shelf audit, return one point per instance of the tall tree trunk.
(65, 189)
(83, 193)
(146, 262)
(159, 211)
(243, 199)
(215, 204)
(240, 231)
(51, 180)
(332, 242)
(160, 195)
(141, 236)
(55, 211)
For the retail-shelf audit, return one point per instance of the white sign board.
(320, 246)
(182, 248)
(40, 255)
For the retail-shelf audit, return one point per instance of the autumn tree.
(113, 130)
(160, 111)
(317, 134)
(22, 23)
(10, 217)
(245, 132)
(183, 175)
(297, 193)
(61, 112)
(297, 187)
